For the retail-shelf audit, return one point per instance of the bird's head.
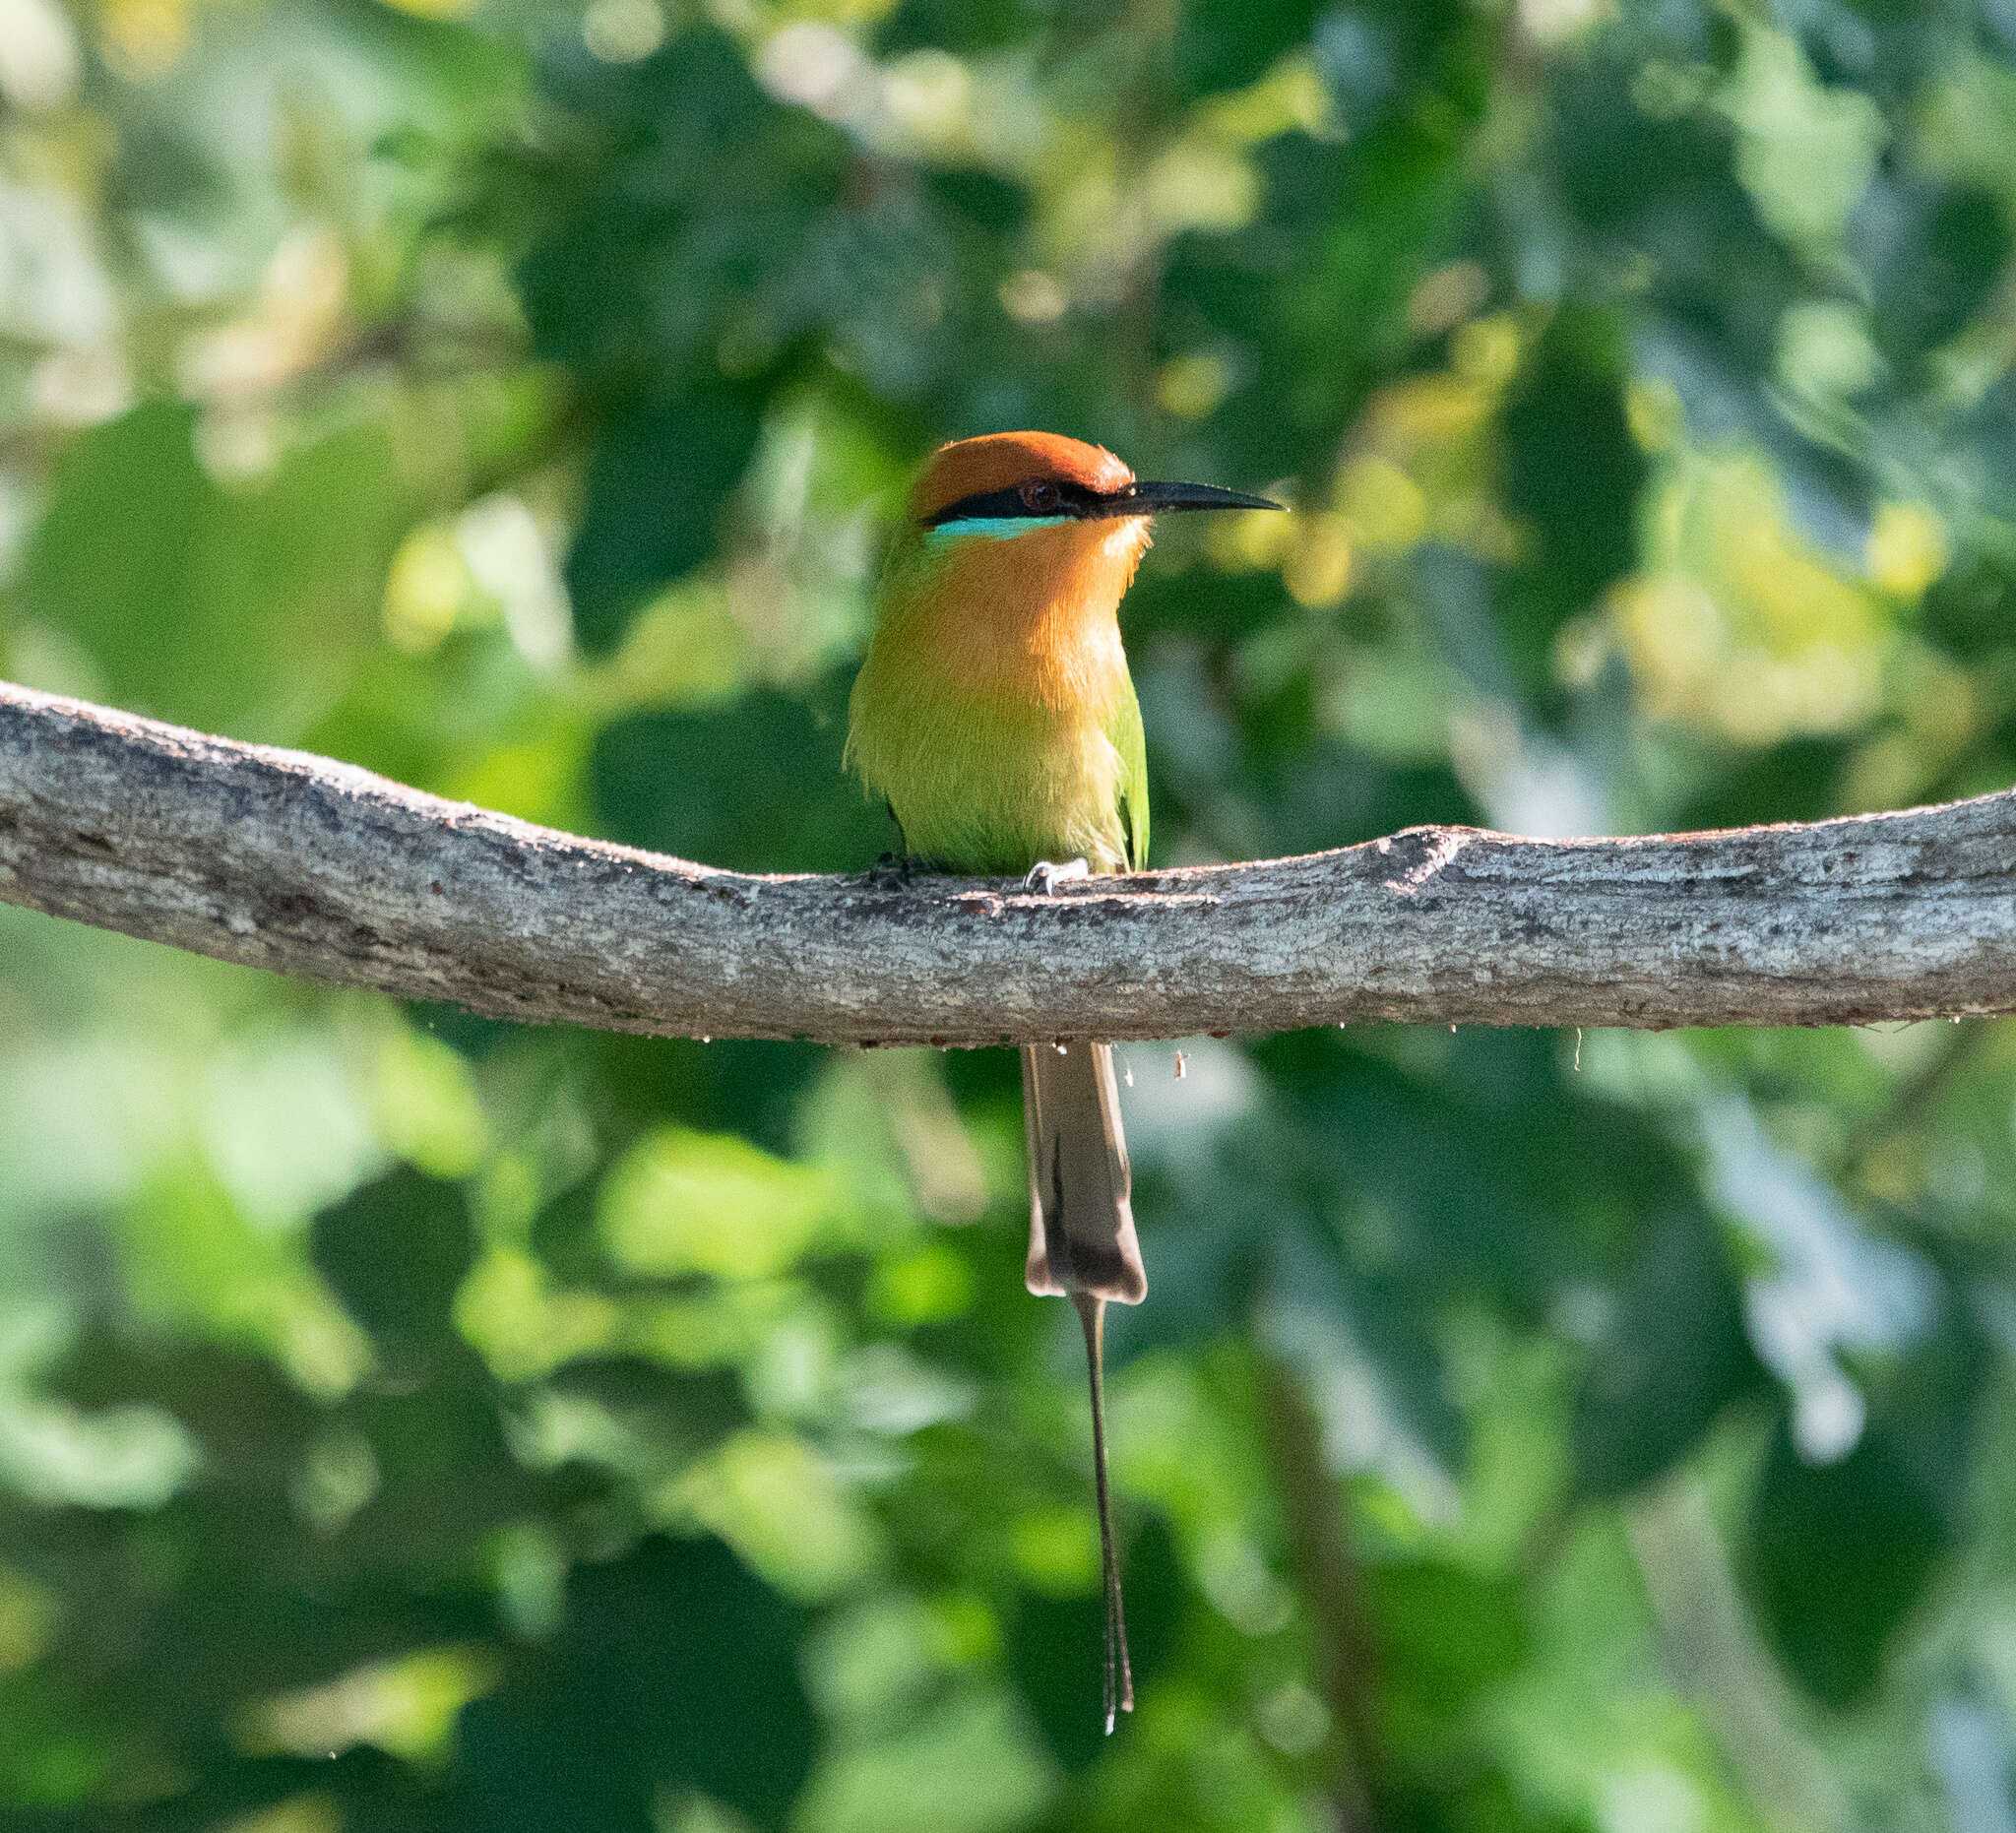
(1004, 485)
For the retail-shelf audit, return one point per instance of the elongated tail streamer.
(1119, 1669)
(1082, 1246)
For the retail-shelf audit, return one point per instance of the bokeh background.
(410, 1422)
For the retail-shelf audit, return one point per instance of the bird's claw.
(897, 868)
(1045, 876)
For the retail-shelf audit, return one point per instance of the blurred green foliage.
(408, 1422)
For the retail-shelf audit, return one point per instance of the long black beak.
(1159, 499)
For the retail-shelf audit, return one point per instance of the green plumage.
(994, 712)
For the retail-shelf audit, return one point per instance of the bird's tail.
(1081, 1212)
(1082, 1246)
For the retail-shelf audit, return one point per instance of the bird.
(996, 716)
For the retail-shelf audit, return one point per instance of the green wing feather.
(1131, 742)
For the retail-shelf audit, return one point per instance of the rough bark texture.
(308, 867)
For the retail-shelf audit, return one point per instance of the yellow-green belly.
(980, 784)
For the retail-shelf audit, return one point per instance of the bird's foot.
(1045, 876)
(894, 868)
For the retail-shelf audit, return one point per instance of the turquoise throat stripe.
(994, 527)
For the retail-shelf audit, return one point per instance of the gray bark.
(308, 867)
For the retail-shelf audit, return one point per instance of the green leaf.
(755, 787)
(657, 485)
(675, 1668)
(1673, 1355)
(1839, 1555)
(229, 609)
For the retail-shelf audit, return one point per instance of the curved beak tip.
(1164, 498)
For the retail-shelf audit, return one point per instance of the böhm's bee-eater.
(996, 716)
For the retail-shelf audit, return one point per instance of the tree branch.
(282, 861)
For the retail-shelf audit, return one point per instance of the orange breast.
(1034, 618)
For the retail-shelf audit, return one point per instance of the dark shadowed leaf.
(1672, 1354)
(656, 488)
(676, 1668)
(1839, 1553)
(755, 787)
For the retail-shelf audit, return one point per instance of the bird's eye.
(1041, 498)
